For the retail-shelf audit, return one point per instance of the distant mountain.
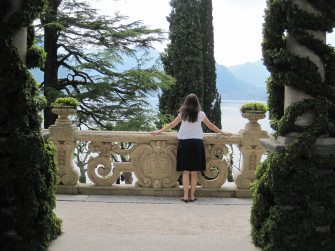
(252, 73)
(231, 87)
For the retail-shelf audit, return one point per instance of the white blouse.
(189, 130)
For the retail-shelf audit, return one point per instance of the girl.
(191, 151)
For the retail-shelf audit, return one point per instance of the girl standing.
(191, 151)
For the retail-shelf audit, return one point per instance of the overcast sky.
(237, 25)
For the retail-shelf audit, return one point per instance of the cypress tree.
(212, 99)
(189, 58)
(183, 57)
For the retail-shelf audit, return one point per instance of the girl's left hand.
(227, 133)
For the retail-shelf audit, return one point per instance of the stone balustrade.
(152, 159)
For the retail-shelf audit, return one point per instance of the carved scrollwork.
(244, 180)
(155, 164)
(216, 171)
(117, 150)
(104, 149)
(215, 151)
(100, 167)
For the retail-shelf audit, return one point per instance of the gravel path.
(141, 225)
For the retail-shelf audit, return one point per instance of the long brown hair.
(190, 109)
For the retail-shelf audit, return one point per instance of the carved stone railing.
(152, 159)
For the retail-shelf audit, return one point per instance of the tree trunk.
(51, 64)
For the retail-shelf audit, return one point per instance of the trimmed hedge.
(294, 195)
(28, 169)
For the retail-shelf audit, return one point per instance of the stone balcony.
(152, 160)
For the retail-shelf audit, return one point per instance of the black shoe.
(184, 200)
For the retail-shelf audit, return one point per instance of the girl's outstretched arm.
(171, 125)
(214, 128)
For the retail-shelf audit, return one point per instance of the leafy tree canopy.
(90, 47)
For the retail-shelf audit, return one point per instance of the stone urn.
(253, 116)
(63, 112)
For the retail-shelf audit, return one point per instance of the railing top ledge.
(126, 136)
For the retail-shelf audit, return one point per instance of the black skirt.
(191, 155)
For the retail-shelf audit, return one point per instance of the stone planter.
(63, 112)
(253, 116)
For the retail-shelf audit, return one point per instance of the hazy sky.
(237, 25)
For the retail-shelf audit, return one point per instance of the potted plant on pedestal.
(64, 107)
(253, 112)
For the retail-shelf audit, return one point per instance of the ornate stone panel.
(153, 164)
(216, 168)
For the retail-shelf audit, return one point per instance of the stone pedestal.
(62, 136)
(251, 149)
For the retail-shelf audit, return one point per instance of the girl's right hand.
(154, 133)
(227, 133)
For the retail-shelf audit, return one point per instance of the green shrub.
(66, 102)
(28, 169)
(294, 195)
(82, 179)
(254, 106)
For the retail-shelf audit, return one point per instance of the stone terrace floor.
(107, 222)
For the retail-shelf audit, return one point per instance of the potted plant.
(253, 112)
(61, 102)
(254, 107)
(64, 107)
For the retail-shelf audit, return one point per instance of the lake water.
(231, 118)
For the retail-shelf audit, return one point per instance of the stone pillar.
(62, 136)
(293, 95)
(251, 149)
(20, 36)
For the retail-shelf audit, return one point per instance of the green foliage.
(27, 161)
(82, 179)
(254, 106)
(66, 102)
(294, 195)
(183, 58)
(212, 99)
(293, 201)
(189, 58)
(36, 56)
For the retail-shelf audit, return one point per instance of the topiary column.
(294, 196)
(28, 170)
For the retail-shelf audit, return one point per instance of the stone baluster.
(251, 149)
(62, 136)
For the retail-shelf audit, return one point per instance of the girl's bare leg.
(194, 182)
(186, 183)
